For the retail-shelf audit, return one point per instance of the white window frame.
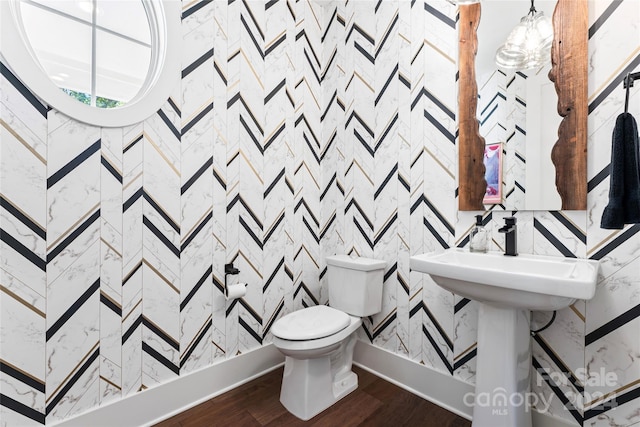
(164, 71)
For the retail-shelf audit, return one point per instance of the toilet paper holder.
(229, 269)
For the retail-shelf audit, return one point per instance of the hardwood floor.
(376, 402)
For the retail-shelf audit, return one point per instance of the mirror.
(511, 112)
(516, 111)
(89, 61)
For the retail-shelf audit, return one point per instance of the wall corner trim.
(159, 403)
(437, 387)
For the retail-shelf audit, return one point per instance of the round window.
(104, 62)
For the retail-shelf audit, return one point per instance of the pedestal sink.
(507, 288)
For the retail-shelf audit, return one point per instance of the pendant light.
(528, 44)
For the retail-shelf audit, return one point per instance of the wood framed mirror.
(569, 74)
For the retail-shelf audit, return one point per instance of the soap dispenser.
(479, 238)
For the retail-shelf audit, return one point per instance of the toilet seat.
(288, 346)
(311, 323)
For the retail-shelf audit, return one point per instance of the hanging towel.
(624, 176)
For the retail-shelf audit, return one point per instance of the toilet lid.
(310, 323)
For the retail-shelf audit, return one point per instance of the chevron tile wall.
(299, 129)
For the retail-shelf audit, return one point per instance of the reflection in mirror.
(516, 109)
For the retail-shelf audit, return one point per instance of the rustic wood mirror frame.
(569, 74)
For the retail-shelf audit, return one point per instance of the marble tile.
(71, 203)
(60, 262)
(623, 415)
(71, 284)
(197, 200)
(12, 418)
(81, 397)
(465, 339)
(219, 329)
(22, 346)
(403, 148)
(31, 138)
(132, 230)
(614, 296)
(132, 347)
(66, 142)
(568, 231)
(68, 351)
(439, 324)
(111, 194)
(111, 261)
(201, 356)
(195, 14)
(108, 393)
(615, 355)
(231, 333)
(161, 298)
(563, 340)
(111, 145)
(23, 172)
(110, 340)
(197, 83)
(155, 370)
(159, 135)
(549, 403)
(110, 381)
(23, 270)
(162, 176)
(15, 106)
(197, 310)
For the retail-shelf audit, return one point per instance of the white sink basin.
(507, 288)
(530, 282)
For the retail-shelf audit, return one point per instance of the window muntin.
(96, 51)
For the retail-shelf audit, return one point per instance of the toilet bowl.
(318, 341)
(317, 371)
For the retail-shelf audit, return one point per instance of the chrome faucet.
(510, 236)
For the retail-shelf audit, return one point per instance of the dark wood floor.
(375, 403)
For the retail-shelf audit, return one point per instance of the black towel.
(624, 176)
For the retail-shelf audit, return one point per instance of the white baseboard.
(159, 403)
(434, 386)
(546, 420)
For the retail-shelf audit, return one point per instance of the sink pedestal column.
(503, 366)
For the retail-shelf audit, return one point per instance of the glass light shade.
(509, 57)
(528, 45)
(544, 27)
(513, 53)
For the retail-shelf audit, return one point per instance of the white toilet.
(318, 341)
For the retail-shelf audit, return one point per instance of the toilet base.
(308, 387)
(312, 384)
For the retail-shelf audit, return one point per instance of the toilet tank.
(355, 284)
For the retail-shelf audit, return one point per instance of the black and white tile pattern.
(298, 130)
